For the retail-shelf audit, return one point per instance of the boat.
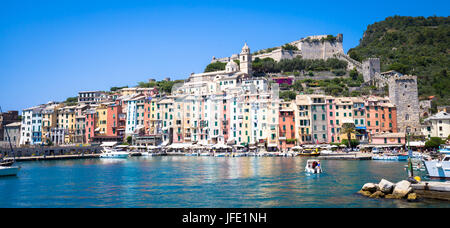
(205, 154)
(438, 169)
(391, 157)
(219, 155)
(313, 166)
(309, 152)
(113, 153)
(445, 150)
(191, 154)
(9, 170)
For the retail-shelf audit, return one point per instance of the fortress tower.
(370, 67)
(245, 59)
(403, 94)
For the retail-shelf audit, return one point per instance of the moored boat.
(9, 170)
(391, 157)
(438, 169)
(309, 152)
(445, 150)
(113, 153)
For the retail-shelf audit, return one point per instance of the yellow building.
(101, 122)
(303, 119)
(66, 119)
(49, 121)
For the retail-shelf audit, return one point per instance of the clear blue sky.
(51, 49)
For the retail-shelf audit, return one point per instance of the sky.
(51, 49)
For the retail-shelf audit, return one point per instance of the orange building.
(381, 116)
(287, 128)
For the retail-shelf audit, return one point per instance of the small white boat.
(113, 153)
(438, 169)
(313, 166)
(9, 170)
(191, 154)
(219, 155)
(251, 154)
(205, 154)
(445, 150)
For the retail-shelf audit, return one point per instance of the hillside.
(412, 45)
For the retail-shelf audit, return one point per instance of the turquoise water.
(199, 182)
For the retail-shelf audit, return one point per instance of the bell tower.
(245, 60)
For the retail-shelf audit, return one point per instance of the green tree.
(129, 140)
(216, 66)
(348, 129)
(434, 142)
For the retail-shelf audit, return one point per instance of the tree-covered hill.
(412, 45)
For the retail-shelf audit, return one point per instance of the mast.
(9, 140)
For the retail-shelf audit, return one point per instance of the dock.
(346, 156)
(53, 157)
(433, 190)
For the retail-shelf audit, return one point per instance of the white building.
(437, 125)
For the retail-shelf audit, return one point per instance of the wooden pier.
(433, 190)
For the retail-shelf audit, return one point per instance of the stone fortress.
(403, 90)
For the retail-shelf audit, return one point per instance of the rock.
(402, 189)
(392, 196)
(371, 187)
(377, 194)
(365, 193)
(386, 186)
(412, 197)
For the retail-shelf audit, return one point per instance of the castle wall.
(278, 55)
(319, 50)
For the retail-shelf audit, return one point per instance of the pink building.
(393, 139)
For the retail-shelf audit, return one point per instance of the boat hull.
(390, 157)
(114, 155)
(9, 171)
(309, 154)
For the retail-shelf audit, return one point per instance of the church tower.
(245, 59)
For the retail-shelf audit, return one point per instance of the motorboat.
(445, 150)
(205, 154)
(195, 154)
(113, 153)
(313, 166)
(251, 154)
(9, 170)
(219, 155)
(309, 152)
(438, 169)
(391, 157)
(376, 150)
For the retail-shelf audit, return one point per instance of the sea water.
(198, 182)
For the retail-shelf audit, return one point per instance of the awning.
(272, 145)
(179, 145)
(108, 144)
(416, 144)
(381, 145)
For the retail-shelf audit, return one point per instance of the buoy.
(417, 178)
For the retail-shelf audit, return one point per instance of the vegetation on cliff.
(269, 65)
(162, 86)
(216, 66)
(412, 45)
